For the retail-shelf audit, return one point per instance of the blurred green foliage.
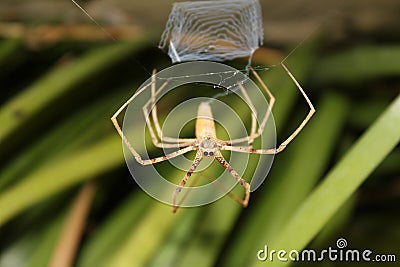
(56, 134)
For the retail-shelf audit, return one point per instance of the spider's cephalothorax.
(208, 147)
(206, 142)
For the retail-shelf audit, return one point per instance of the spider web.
(213, 30)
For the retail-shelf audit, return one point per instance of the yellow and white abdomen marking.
(205, 125)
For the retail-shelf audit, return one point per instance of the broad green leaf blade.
(344, 179)
(209, 235)
(297, 170)
(144, 238)
(79, 130)
(171, 252)
(57, 83)
(358, 64)
(34, 248)
(106, 240)
(52, 178)
(47, 239)
(11, 55)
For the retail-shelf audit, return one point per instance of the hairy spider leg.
(283, 145)
(137, 156)
(178, 142)
(254, 134)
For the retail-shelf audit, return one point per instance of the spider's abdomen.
(205, 126)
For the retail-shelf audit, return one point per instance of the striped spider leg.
(186, 147)
(166, 142)
(254, 133)
(282, 146)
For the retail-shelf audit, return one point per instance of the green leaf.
(297, 169)
(105, 241)
(57, 176)
(144, 238)
(56, 84)
(80, 130)
(341, 182)
(359, 64)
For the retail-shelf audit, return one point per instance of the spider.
(206, 142)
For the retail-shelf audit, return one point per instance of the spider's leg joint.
(179, 189)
